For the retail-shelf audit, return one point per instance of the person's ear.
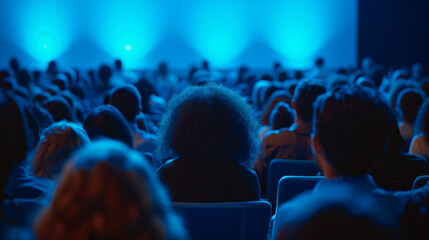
(320, 157)
(315, 143)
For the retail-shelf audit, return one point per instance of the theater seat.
(240, 220)
(420, 181)
(282, 167)
(291, 186)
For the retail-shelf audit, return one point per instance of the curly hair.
(108, 191)
(209, 120)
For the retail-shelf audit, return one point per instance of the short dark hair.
(107, 121)
(408, 104)
(105, 73)
(59, 108)
(352, 126)
(306, 93)
(209, 120)
(127, 100)
(282, 116)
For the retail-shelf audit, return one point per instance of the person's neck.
(300, 123)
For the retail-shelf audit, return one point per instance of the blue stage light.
(44, 28)
(128, 31)
(301, 30)
(128, 47)
(219, 30)
(141, 33)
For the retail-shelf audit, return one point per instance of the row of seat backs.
(291, 186)
(281, 167)
(245, 220)
(235, 221)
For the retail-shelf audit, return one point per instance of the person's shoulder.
(273, 134)
(419, 139)
(414, 159)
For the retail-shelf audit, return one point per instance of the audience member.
(128, 101)
(293, 143)
(56, 145)
(59, 108)
(210, 134)
(345, 147)
(107, 191)
(107, 122)
(282, 116)
(420, 142)
(408, 105)
(396, 169)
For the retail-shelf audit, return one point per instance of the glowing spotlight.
(128, 47)
(46, 45)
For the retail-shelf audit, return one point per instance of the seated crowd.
(103, 154)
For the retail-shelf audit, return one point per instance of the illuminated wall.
(82, 33)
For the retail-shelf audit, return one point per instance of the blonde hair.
(56, 144)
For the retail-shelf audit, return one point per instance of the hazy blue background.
(84, 33)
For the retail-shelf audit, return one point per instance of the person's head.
(408, 105)
(417, 71)
(306, 93)
(52, 67)
(205, 65)
(422, 122)
(210, 121)
(118, 65)
(282, 116)
(104, 73)
(14, 64)
(23, 78)
(276, 97)
(108, 191)
(59, 108)
(319, 62)
(350, 130)
(8, 83)
(146, 90)
(368, 64)
(397, 87)
(61, 81)
(56, 145)
(365, 81)
(127, 100)
(107, 122)
(163, 69)
(399, 74)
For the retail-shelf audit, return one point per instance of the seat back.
(282, 167)
(240, 220)
(420, 181)
(291, 186)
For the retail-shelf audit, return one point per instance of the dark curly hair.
(211, 121)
